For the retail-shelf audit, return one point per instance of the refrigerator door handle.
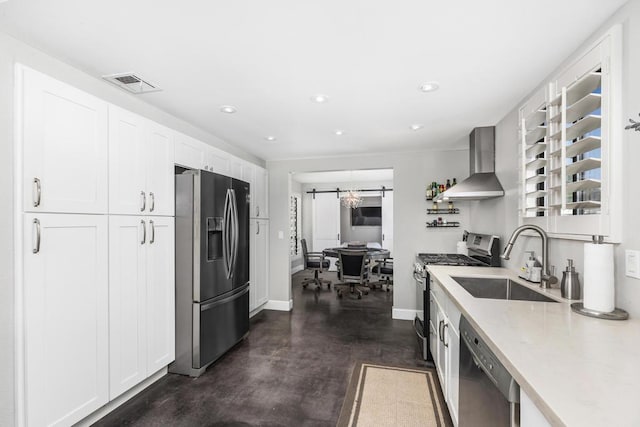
(225, 236)
(235, 236)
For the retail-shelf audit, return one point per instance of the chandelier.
(351, 199)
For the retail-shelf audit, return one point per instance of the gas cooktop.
(450, 259)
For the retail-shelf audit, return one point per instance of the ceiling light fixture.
(270, 138)
(351, 198)
(430, 86)
(339, 132)
(229, 109)
(320, 99)
(416, 127)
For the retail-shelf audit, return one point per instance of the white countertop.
(579, 371)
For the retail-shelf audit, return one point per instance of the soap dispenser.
(531, 270)
(570, 285)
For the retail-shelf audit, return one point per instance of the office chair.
(315, 262)
(384, 270)
(352, 271)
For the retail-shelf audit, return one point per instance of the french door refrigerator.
(212, 268)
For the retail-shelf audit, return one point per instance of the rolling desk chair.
(352, 271)
(315, 262)
(384, 270)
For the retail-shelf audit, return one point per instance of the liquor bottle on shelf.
(448, 185)
(454, 182)
(450, 206)
(429, 193)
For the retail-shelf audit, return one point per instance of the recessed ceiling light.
(229, 109)
(320, 99)
(429, 86)
(270, 138)
(416, 127)
(339, 132)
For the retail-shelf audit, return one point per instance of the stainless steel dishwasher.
(489, 396)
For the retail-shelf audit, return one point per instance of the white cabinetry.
(217, 161)
(64, 141)
(189, 152)
(444, 340)
(259, 263)
(141, 299)
(260, 197)
(141, 157)
(65, 317)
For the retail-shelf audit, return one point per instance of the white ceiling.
(365, 175)
(267, 58)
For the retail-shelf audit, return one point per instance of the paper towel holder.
(616, 314)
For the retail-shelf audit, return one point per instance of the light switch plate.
(280, 234)
(632, 263)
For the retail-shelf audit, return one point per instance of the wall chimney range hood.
(482, 182)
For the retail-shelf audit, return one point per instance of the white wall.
(500, 215)
(12, 51)
(411, 174)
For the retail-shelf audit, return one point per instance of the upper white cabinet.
(217, 161)
(189, 152)
(141, 298)
(64, 140)
(65, 317)
(259, 194)
(141, 159)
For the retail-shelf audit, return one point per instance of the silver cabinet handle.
(257, 210)
(257, 227)
(440, 330)
(143, 201)
(446, 344)
(153, 232)
(36, 248)
(38, 192)
(144, 232)
(152, 205)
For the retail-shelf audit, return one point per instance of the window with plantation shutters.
(570, 148)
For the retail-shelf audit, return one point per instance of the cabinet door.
(261, 205)
(453, 364)
(236, 168)
(262, 262)
(127, 303)
(259, 273)
(188, 152)
(66, 317)
(160, 242)
(218, 162)
(64, 140)
(441, 355)
(127, 162)
(387, 221)
(160, 171)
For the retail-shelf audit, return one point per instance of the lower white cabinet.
(141, 298)
(444, 341)
(259, 263)
(65, 317)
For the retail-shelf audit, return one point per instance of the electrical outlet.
(632, 264)
(280, 234)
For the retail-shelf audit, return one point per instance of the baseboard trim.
(403, 314)
(297, 268)
(279, 305)
(124, 397)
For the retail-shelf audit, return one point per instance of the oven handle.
(415, 327)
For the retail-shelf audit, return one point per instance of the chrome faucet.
(546, 278)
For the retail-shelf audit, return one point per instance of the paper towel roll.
(462, 248)
(598, 277)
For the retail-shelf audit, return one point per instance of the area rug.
(390, 396)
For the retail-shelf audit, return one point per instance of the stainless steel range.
(484, 251)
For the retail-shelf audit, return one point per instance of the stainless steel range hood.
(483, 182)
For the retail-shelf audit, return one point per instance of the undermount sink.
(499, 288)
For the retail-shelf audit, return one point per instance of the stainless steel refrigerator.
(212, 268)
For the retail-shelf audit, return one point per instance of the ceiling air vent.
(131, 83)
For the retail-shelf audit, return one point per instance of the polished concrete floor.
(292, 369)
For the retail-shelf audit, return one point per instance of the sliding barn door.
(326, 221)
